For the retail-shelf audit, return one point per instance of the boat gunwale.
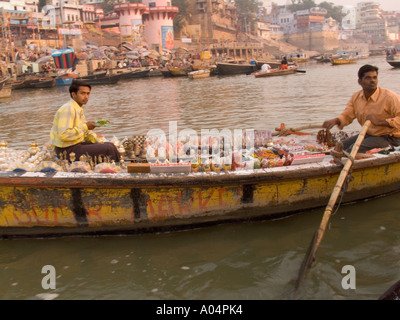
(146, 180)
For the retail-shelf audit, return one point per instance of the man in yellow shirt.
(72, 133)
(380, 106)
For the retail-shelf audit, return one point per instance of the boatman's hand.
(329, 124)
(91, 125)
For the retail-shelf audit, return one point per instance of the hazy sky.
(388, 5)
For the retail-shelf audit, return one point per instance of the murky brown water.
(238, 261)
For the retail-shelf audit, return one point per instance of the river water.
(242, 261)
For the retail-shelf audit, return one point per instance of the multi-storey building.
(371, 23)
(212, 20)
(310, 19)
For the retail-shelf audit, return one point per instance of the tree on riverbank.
(181, 20)
(247, 14)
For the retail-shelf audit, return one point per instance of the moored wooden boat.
(94, 75)
(275, 72)
(178, 71)
(205, 73)
(230, 68)
(107, 79)
(31, 83)
(68, 203)
(134, 74)
(165, 72)
(65, 80)
(212, 68)
(44, 83)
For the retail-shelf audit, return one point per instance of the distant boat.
(211, 67)
(32, 83)
(199, 74)
(134, 74)
(394, 60)
(165, 72)
(107, 79)
(65, 79)
(229, 68)
(275, 72)
(44, 83)
(93, 75)
(298, 57)
(178, 71)
(340, 61)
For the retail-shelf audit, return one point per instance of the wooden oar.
(316, 241)
(282, 130)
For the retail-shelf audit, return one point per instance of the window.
(152, 4)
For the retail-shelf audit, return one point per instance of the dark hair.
(366, 68)
(74, 87)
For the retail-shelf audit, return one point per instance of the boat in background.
(394, 60)
(65, 79)
(32, 83)
(135, 74)
(235, 67)
(275, 72)
(44, 83)
(342, 60)
(205, 73)
(298, 57)
(107, 79)
(93, 75)
(179, 71)
(165, 72)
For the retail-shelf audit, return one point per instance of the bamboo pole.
(319, 234)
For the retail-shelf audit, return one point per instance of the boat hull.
(107, 79)
(394, 63)
(235, 68)
(276, 72)
(39, 204)
(199, 74)
(336, 62)
(135, 74)
(63, 81)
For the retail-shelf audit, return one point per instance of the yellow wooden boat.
(41, 204)
(178, 71)
(204, 73)
(340, 61)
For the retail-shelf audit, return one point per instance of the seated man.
(379, 105)
(71, 132)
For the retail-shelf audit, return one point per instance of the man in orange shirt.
(380, 106)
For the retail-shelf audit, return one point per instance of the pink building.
(130, 17)
(158, 24)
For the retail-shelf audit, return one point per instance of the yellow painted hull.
(34, 204)
(343, 61)
(176, 72)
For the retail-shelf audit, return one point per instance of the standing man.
(380, 106)
(71, 132)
